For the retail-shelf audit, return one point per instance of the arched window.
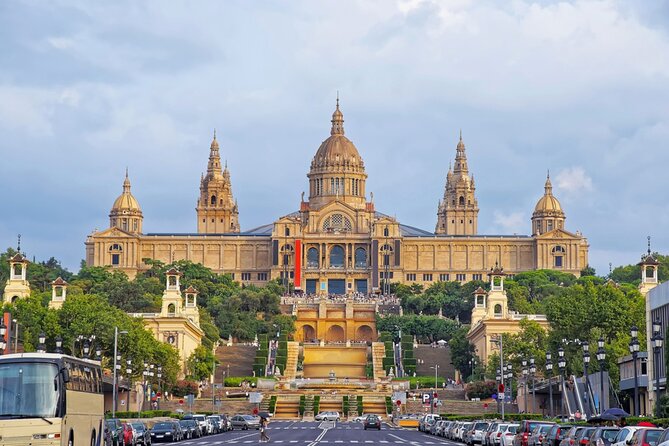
(17, 269)
(173, 281)
(337, 223)
(312, 258)
(498, 310)
(386, 232)
(213, 200)
(386, 251)
(287, 251)
(360, 258)
(558, 254)
(337, 257)
(462, 201)
(171, 309)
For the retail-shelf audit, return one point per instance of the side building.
(336, 242)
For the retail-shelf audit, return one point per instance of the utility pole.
(213, 386)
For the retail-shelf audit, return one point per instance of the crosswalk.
(233, 441)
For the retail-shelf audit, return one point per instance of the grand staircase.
(428, 356)
(287, 406)
(378, 352)
(293, 353)
(374, 404)
(235, 360)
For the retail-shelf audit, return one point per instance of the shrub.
(262, 353)
(388, 345)
(409, 362)
(360, 406)
(387, 363)
(259, 370)
(407, 346)
(408, 354)
(481, 389)
(423, 382)
(303, 403)
(185, 387)
(317, 403)
(236, 381)
(272, 404)
(389, 405)
(407, 338)
(345, 405)
(385, 336)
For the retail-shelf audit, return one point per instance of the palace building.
(336, 241)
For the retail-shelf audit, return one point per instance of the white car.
(327, 416)
(625, 435)
(360, 418)
(508, 434)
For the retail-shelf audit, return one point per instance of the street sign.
(255, 411)
(426, 398)
(181, 402)
(500, 395)
(399, 403)
(255, 397)
(500, 388)
(485, 405)
(494, 396)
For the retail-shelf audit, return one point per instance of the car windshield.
(545, 428)
(138, 426)
(512, 429)
(27, 390)
(162, 426)
(199, 417)
(609, 434)
(248, 417)
(184, 422)
(480, 426)
(652, 436)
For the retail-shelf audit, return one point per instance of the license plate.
(159, 436)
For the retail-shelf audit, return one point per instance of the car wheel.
(245, 428)
(365, 428)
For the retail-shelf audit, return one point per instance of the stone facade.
(337, 242)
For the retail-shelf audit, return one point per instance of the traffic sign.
(181, 401)
(500, 395)
(426, 398)
(255, 411)
(398, 402)
(485, 405)
(500, 388)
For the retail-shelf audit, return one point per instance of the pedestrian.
(264, 438)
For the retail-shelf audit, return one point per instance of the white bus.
(50, 399)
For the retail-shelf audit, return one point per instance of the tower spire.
(548, 187)
(337, 120)
(18, 248)
(649, 245)
(126, 182)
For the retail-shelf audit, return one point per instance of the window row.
(337, 186)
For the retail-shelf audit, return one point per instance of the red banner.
(298, 265)
(7, 319)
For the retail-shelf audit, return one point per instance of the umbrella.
(263, 414)
(616, 412)
(441, 342)
(646, 424)
(608, 417)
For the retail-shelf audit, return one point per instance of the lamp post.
(145, 373)
(41, 343)
(634, 350)
(128, 374)
(16, 335)
(601, 358)
(525, 372)
(498, 378)
(586, 360)
(160, 376)
(115, 387)
(509, 367)
(59, 344)
(549, 372)
(657, 350)
(562, 364)
(436, 370)
(3, 332)
(533, 371)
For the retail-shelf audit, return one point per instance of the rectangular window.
(262, 276)
(411, 277)
(460, 277)
(444, 277)
(246, 276)
(232, 275)
(382, 275)
(558, 261)
(477, 276)
(427, 277)
(116, 259)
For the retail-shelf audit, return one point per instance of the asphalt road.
(300, 433)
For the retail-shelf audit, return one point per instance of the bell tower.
(498, 305)
(479, 310)
(190, 310)
(172, 301)
(457, 213)
(17, 285)
(58, 293)
(217, 211)
(649, 268)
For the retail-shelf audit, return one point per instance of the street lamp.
(549, 372)
(115, 387)
(87, 348)
(601, 358)
(509, 367)
(59, 344)
(562, 364)
(41, 343)
(533, 371)
(160, 376)
(657, 350)
(634, 350)
(498, 378)
(3, 332)
(586, 360)
(436, 369)
(525, 372)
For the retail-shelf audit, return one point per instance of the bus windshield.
(27, 390)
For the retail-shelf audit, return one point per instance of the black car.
(372, 422)
(142, 433)
(116, 428)
(190, 429)
(166, 431)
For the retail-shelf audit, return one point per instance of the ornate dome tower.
(548, 213)
(217, 211)
(126, 214)
(337, 170)
(458, 213)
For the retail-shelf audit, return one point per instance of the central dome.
(548, 204)
(337, 151)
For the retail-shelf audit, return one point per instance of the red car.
(128, 435)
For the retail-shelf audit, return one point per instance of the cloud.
(511, 223)
(573, 180)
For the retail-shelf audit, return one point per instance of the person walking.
(264, 438)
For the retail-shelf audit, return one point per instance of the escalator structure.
(578, 397)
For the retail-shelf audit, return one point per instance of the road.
(301, 433)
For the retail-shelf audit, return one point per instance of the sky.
(579, 88)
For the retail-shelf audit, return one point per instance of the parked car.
(583, 436)
(202, 421)
(328, 415)
(509, 434)
(116, 428)
(225, 423)
(569, 438)
(190, 429)
(664, 438)
(603, 436)
(625, 435)
(213, 424)
(556, 434)
(360, 418)
(108, 439)
(426, 421)
(463, 432)
(128, 435)
(164, 431)
(372, 422)
(142, 434)
(537, 436)
(487, 435)
(495, 437)
(478, 430)
(245, 422)
(525, 428)
(646, 437)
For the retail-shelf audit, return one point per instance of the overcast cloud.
(580, 88)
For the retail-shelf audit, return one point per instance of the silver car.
(327, 416)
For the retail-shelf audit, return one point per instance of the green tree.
(201, 363)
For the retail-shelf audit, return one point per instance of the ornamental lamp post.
(3, 332)
(498, 378)
(59, 344)
(509, 367)
(586, 360)
(634, 350)
(533, 371)
(657, 350)
(160, 376)
(525, 372)
(41, 343)
(601, 358)
(549, 372)
(87, 349)
(562, 364)
(115, 386)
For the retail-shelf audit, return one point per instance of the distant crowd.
(341, 298)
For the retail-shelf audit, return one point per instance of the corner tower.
(337, 170)
(217, 211)
(458, 212)
(125, 213)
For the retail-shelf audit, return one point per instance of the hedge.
(385, 336)
(262, 338)
(345, 405)
(262, 353)
(259, 370)
(303, 403)
(423, 382)
(388, 362)
(407, 346)
(272, 404)
(507, 417)
(360, 405)
(389, 405)
(282, 351)
(388, 345)
(407, 354)
(317, 404)
(409, 362)
(236, 381)
(410, 370)
(145, 414)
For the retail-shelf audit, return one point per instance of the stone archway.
(308, 333)
(364, 333)
(335, 334)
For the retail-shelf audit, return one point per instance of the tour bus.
(50, 399)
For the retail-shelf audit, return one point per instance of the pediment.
(112, 233)
(557, 234)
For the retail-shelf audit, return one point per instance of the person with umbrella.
(264, 417)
